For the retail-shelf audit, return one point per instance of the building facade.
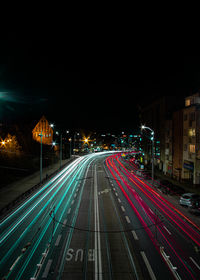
(191, 139)
(155, 116)
(167, 163)
(177, 144)
(47, 132)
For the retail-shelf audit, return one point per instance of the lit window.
(191, 132)
(192, 148)
(187, 102)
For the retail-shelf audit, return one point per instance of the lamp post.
(70, 140)
(152, 139)
(60, 150)
(76, 133)
(41, 157)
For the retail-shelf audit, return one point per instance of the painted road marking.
(47, 268)
(151, 211)
(167, 230)
(78, 255)
(195, 263)
(58, 240)
(134, 235)
(123, 208)
(119, 200)
(116, 193)
(69, 211)
(97, 243)
(127, 219)
(72, 202)
(151, 273)
(75, 195)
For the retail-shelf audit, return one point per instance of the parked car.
(165, 186)
(189, 199)
(176, 190)
(195, 210)
(169, 188)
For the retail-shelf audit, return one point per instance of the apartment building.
(177, 144)
(191, 139)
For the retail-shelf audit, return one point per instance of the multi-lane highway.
(97, 220)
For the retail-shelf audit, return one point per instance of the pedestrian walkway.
(10, 192)
(186, 186)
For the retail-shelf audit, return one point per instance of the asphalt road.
(97, 220)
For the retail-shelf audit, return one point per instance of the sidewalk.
(186, 186)
(11, 192)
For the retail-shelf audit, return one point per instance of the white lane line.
(64, 223)
(75, 195)
(116, 193)
(195, 263)
(69, 211)
(47, 268)
(119, 200)
(123, 208)
(114, 189)
(151, 211)
(97, 244)
(58, 240)
(72, 202)
(127, 219)
(151, 273)
(167, 230)
(134, 235)
(77, 189)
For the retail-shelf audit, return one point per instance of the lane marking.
(47, 268)
(72, 202)
(127, 219)
(58, 240)
(69, 211)
(195, 263)
(151, 273)
(116, 193)
(151, 210)
(134, 235)
(167, 230)
(64, 223)
(123, 208)
(97, 244)
(75, 195)
(119, 200)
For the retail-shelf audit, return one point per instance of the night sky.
(41, 77)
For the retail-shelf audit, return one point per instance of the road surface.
(98, 220)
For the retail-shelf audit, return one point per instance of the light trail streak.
(157, 201)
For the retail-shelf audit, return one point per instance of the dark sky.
(42, 77)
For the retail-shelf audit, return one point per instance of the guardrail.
(172, 268)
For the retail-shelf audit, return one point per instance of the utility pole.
(152, 139)
(60, 150)
(41, 157)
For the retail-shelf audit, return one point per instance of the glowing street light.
(152, 139)
(86, 140)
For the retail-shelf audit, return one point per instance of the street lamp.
(76, 133)
(41, 157)
(152, 139)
